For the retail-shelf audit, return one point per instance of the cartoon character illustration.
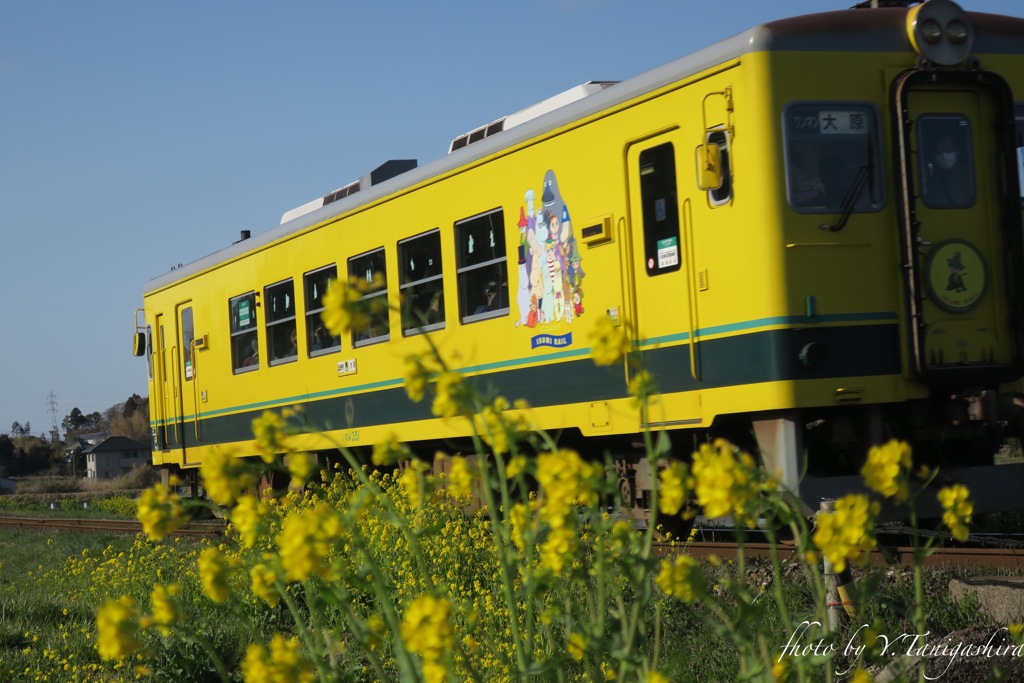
(523, 292)
(577, 301)
(550, 287)
(548, 277)
(956, 274)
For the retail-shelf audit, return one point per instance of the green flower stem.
(211, 653)
(522, 649)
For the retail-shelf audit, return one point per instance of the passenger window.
(371, 268)
(1020, 151)
(245, 350)
(724, 193)
(481, 261)
(946, 158)
(833, 158)
(279, 309)
(658, 198)
(421, 283)
(188, 335)
(318, 340)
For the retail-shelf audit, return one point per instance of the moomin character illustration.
(550, 287)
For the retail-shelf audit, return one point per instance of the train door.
(161, 389)
(961, 228)
(660, 263)
(185, 378)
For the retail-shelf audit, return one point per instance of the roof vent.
(386, 171)
(531, 112)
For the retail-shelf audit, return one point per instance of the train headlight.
(957, 32)
(931, 31)
(940, 31)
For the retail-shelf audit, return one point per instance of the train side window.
(658, 197)
(372, 268)
(318, 340)
(279, 310)
(946, 158)
(481, 266)
(421, 282)
(833, 157)
(245, 349)
(1020, 150)
(723, 194)
(152, 351)
(188, 336)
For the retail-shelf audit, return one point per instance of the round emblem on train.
(956, 275)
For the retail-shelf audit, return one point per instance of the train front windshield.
(833, 158)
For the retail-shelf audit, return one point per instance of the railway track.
(209, 529)
(995, 558)
(1011, 558)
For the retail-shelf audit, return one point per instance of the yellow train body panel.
(820, 276)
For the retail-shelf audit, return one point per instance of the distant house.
(114, 456)
(7, 486)
(82, 442)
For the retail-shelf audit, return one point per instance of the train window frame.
(281, 322)
(659, 204)
(477, 277)
(376, 295)
(315, 285)
(418, 284)
(188, 337)
(723, 194)
(1018, 117)
(963, 129)
(837, 183)
(243, 328)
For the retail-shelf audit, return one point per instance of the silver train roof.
(875, 30)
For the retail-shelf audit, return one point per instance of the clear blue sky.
(137, 135)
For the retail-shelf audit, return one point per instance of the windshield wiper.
(860, 181)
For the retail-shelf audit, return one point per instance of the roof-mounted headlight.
(940, 32)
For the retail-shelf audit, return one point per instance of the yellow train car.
(812, 230)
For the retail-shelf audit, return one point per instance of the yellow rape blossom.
(417, 375)
(306, 541)
(426, 627)
(269, 430)
(343, 308)
(493, 427)
(301, 466)
(453, 395)
(411, 482)
(642, 387)
(247, 517)
(460, 479)
(887, 468)
(608, 341)
(559, 546)
(389, 451)
(283, 662)
(957, 509)
(566, 480)
(724, 481)
(655, 677)
(213, 572)
(224, 477)
(576, 646)
(847, 534)
(165, 608)
(681, 578)
(264, 584)
(160, 511)
(673, 493)
(117, 629)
